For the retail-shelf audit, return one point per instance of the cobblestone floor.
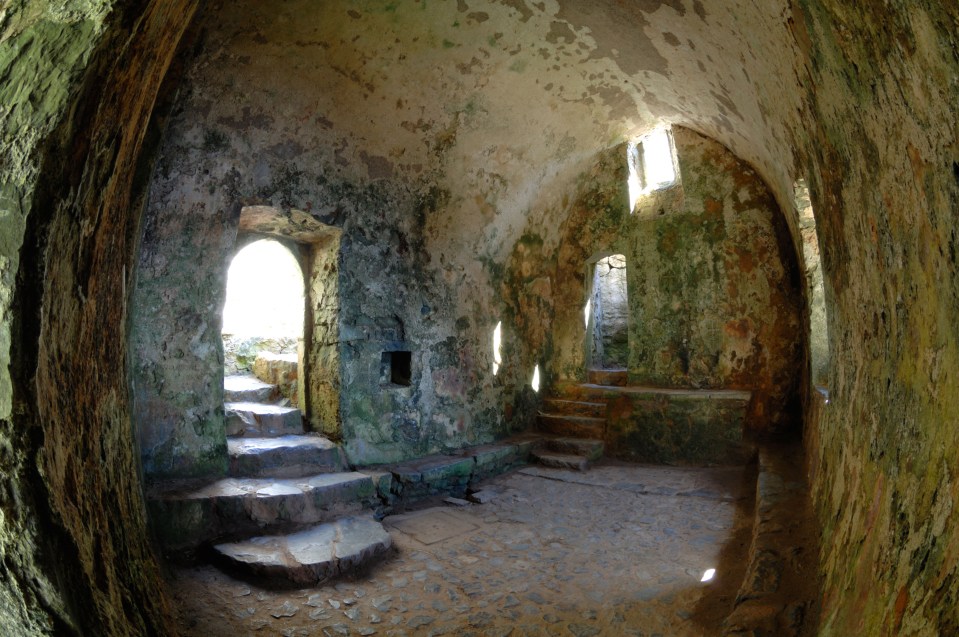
(619, 550)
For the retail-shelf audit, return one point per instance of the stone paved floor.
(619, 550)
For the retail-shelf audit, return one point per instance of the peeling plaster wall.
(857, 98)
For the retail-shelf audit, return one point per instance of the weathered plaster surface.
(473, 120)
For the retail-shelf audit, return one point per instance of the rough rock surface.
(310, 556)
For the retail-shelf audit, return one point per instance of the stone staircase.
(291, 510)
(649, 424)
(576, 425)
(575, 454)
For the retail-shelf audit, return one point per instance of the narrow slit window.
(819, 348)
(497, 347)
(651, 164)
(535, 382)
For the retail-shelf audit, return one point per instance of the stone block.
(432, 475)
(310, 556)
(562, 406)
(257, 419)
(590, 449)
(577, 426)
(247, 389)
(280, 370)
(678, 426)
(561, 461)
(284, 456)
(382, 482)
(186, 516)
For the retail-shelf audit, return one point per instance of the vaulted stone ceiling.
(858, 98)
(496, 102)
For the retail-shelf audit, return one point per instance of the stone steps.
(310, 556)
(289, 456)
(261, 420)
(574, 426)
(576, 454)
(247, 389)
(189, 516)
(609, 377)
(588, 448)
(560, 460)
(564, 407)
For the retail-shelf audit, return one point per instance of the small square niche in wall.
(396, 368)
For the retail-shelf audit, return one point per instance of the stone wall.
(391, 293)
(80, 82)
(323, 373)
(884, 176)
(713, 286)
(512, 101)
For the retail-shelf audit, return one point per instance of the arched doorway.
(263, 316)
(609, 314)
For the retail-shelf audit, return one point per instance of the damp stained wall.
(858, 99)
(713, 287)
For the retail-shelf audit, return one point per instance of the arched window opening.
(610, 313)
(652, 164)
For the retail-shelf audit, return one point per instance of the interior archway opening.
(609, 309)
(263, 319)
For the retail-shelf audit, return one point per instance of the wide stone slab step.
(259, 420)
(284, 456)
(247, 389)
(561, 461)
(608, 377)
(311, 556)
(566, 407)
(186, 517)
(574, 426)
(590, 449)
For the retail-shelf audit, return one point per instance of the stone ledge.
(453, 474)
(778, 596)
